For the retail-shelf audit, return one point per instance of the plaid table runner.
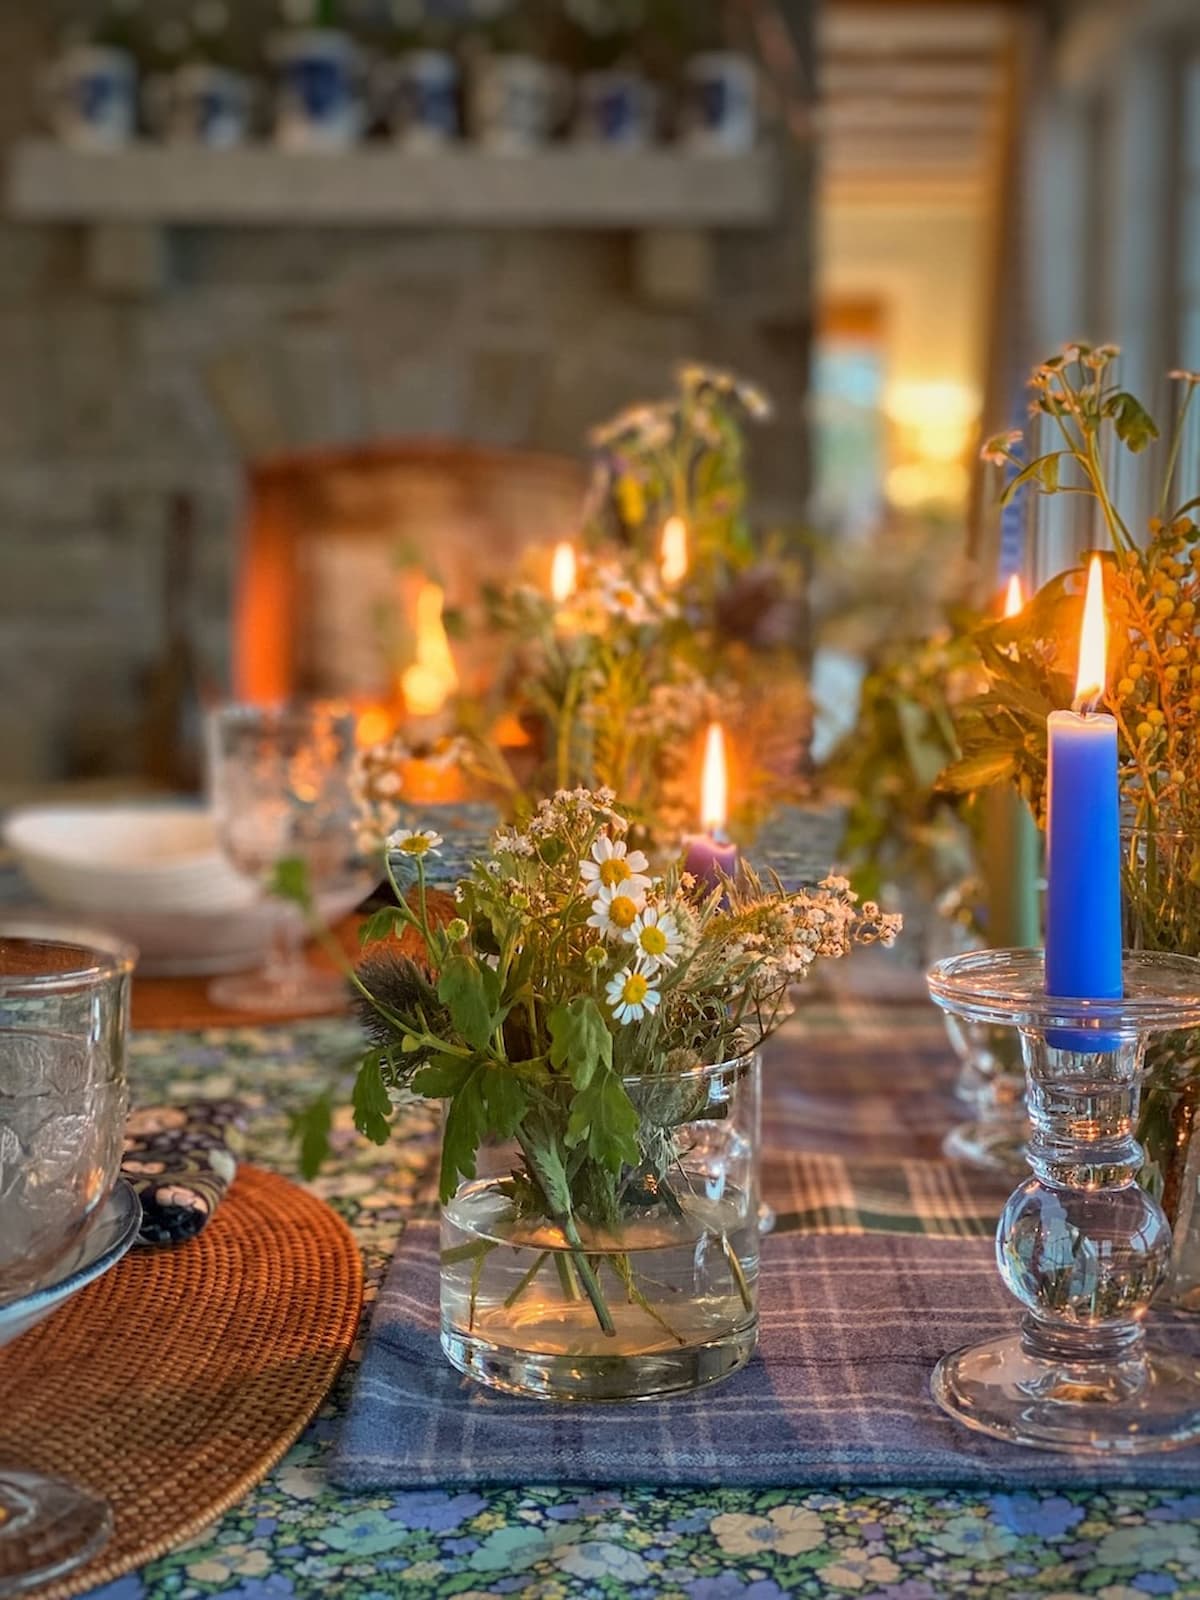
(838, 1391)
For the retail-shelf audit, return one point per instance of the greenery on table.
(568, 970)
(613, 686)
(1152, 594)
(902, 827)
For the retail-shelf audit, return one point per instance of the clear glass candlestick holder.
(1080, 1245)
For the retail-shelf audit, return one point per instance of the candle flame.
(1014, 598)
(714, 784)
(674, 551)
(1089, 685)
(563, 573)
(433, 677)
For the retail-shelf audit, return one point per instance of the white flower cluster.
(623, 914)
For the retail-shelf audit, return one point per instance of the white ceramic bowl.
(126, 858)
(153, 875)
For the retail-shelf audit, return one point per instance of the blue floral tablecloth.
(296, 1536)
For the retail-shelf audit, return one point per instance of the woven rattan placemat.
(174, 1383)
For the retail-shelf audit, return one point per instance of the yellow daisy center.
(622, 913)
(654, 941)
(613, 871)
(635, 990)
(415, 847)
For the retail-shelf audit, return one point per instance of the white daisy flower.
(621, 598)
(657, 938)
(630, 995)
(413, 842)
(616, 909)
(613, 864)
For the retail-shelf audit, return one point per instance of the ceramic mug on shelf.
(91, 97)
(617, 109)
(320, 97)
(721, 103)
(422, 99)
(201, 104)
(513, 102)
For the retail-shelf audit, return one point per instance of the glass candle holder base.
(989, 1145)
(1135, 1405)
(1080, 1245)
(311, 993)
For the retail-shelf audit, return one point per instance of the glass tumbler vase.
(658, 1296)
(1080, 1245)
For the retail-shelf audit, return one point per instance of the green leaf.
(1135, 426)
(311, 1128)
(472, 994)
(489, 1100)
(1043, 471)
(604, 1116)
(580, 1040)
(978, 771)
(289, 881)
(382, 925)
(505, 1099)
(442, 1078)
(372, 1108)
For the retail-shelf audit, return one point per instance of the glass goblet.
(280, 786)
(64, 1011)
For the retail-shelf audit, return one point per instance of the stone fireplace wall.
(259, 340)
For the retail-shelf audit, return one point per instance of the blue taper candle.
(1083, 852)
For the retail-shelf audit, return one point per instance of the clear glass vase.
(660, 1297)
(1162, 913)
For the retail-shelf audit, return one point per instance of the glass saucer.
(108, 1237)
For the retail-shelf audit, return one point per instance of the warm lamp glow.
(714, 783)
(433, 677)
(1014, 597)
(563, 573)
(1089, 685)
(674, 551)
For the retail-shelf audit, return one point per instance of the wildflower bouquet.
(568, 1006)
(673, 618)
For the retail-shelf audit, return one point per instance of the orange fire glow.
(714, 783)
(375, 725)
(1093, 644)
(433, 677)
(1014, 598)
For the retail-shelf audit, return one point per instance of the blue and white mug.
(91, 97)
(205, 105)
(514, 102)
(321, 93)
(424, 100)
(721, 103)
(616, 108)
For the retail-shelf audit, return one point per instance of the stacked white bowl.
(152, 873)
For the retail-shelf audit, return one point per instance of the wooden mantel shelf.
(557, 188)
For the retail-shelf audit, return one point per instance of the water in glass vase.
(678, 1287)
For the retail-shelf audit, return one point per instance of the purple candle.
(710, 854)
